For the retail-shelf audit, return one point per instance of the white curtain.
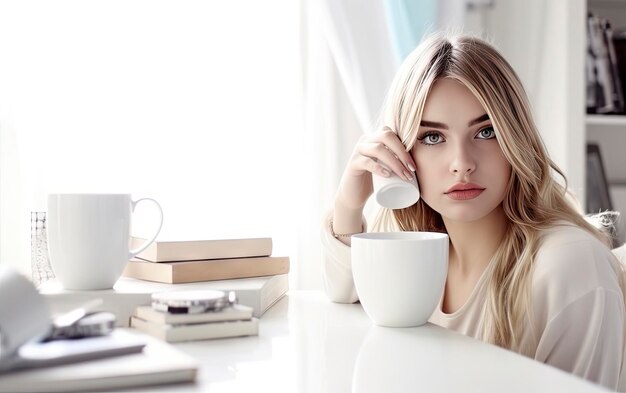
(348, 64)
(194, 103)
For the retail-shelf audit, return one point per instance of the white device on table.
(193, 302)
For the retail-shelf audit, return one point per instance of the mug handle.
(133, 253)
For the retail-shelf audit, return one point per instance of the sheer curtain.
(194, 103)
(348, 64)
(351, 49)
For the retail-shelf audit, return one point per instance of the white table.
(308, 344)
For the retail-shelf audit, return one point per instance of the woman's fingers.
(386, 148)
(385, 158)
(373, 166)
(391, 140)
(381, 153)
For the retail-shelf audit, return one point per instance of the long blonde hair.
(534, 200)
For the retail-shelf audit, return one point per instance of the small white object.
(399, 276)
(193, 302)
(394, 192)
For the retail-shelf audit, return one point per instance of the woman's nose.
(462, 162)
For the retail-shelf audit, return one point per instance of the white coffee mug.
(394, 192)
(399, 276)
(89, 237)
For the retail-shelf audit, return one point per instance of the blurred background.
(239, 116)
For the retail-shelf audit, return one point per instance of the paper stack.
(185, 261)
(234, 321)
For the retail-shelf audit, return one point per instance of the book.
(206, 270)
(37, 354)
(197, 331)
(604, 88)
(234, 313)
(190, 250)
(127, 294)
(29, 362)
(158, 363)
(618, 93)
(25, 326)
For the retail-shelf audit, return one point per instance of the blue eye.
(486, 133)
(431, 138)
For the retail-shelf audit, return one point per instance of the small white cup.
(89, 237)
(399, 276)
(394, 192)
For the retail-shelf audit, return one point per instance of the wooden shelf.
(607, 2)
(606, 120)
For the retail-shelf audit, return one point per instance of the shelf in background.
(607, 2)
(606, 120)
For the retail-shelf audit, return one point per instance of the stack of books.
(128, 294)
(183, 262)
(245, 266)
(176, 262)
(235, 321)
(605, 67)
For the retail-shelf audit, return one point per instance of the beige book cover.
(197, 331)
(191, 250)
(206, 270)
(234, 313)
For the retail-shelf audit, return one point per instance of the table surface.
(308, 344)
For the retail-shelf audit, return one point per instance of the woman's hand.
(374, 153)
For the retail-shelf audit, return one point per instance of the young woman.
(526, 271)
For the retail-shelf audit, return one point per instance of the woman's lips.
(463, 195)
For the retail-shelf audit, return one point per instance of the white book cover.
(158, 363)
(197, 331)
(234, 313)
(260, 293)
(37, 354)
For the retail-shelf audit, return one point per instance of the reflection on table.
(308, 344)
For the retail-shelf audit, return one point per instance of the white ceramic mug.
(399, 276)
(89, 237)
(393, 192)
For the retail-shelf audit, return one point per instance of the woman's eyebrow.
(478, 120)
(434, 124)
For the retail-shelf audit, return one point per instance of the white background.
(194, 103)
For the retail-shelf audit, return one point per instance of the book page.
(23, 313)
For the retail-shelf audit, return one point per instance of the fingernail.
(385, 172)
(411, 167)
(408, 175)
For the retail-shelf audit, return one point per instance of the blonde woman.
(526, 272)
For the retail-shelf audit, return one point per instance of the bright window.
(194, 103)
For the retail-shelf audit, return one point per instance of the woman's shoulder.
(570, 265)
(564, 233)
(572, 261)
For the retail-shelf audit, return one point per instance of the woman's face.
(457, 148)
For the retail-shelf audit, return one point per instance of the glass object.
(40, 263)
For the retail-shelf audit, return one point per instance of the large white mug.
(399, 276)
(89, 237)
(394, 192)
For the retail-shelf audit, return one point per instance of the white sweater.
(577, 304)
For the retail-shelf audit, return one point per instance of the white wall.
(544, 40)
(195, 103)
